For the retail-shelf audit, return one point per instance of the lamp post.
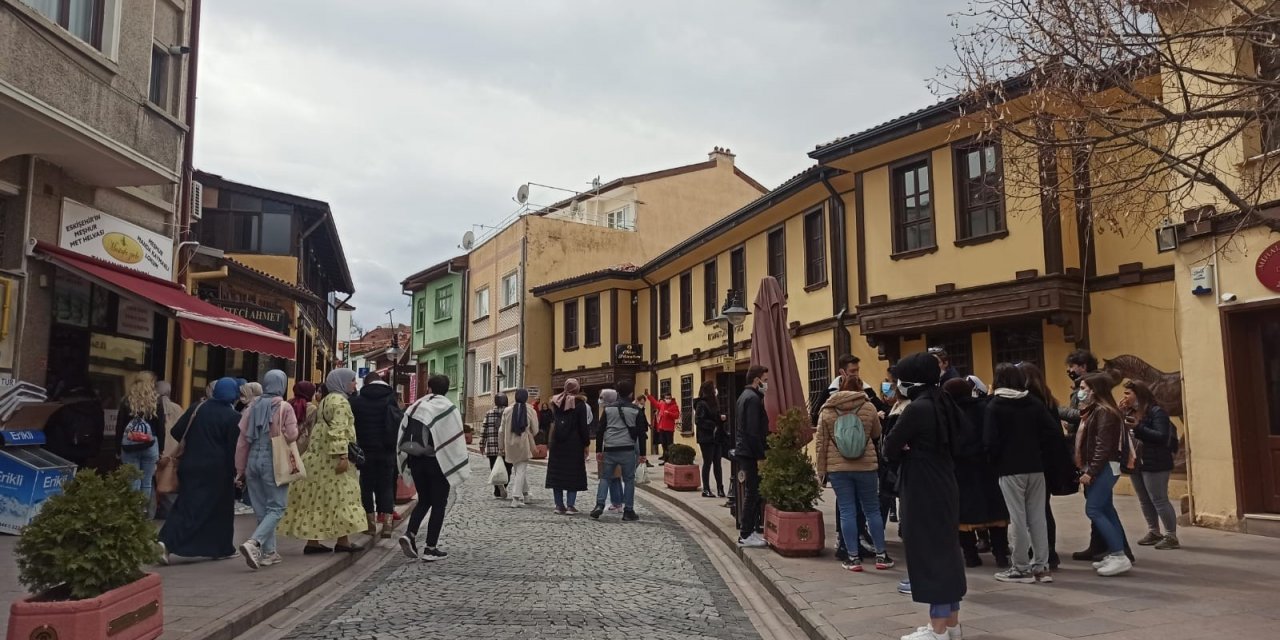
(731, 318)
(395, 352)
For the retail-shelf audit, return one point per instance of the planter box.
(794, 533)
(404, 492)
(681, 477)
(132, 612)
(540, 452)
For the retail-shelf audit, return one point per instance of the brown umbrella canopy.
(771, 347)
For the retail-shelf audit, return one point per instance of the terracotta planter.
(540, 452)
(681, 477)
(404, 492)
(132, 612)
(793, 533)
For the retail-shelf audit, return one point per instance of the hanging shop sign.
(90, 232)
(1268, 267)
(273, 319)
(133, 319)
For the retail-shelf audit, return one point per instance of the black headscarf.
(922, 371)
(520, 413)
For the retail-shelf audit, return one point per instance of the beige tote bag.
(285, 458)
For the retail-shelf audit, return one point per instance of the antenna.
(595, 182)
(468, 240)
(522, 194)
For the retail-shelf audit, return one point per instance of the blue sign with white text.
(21, 438)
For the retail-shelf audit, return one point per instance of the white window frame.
(484, 380)
(511, 381)
(482, 310)
(621, 218)
(110, 29)
(511, 289)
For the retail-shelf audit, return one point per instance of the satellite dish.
(468, 240)
(522, 194)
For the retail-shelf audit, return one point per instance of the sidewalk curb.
(248, 616)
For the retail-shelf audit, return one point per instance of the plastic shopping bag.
(498, 475)
(642, 474)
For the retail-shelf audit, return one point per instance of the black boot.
(969, 544)
(1096, 548)
(984, 540)
(999, 537)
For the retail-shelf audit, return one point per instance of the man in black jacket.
(749, 447)
(376, 408)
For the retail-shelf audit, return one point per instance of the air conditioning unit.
(197, 200)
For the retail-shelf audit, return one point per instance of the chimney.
(721, 155)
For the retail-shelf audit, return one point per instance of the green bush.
(681, 454)
(92, 538)
(787, 478)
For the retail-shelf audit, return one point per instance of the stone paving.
(527, 573)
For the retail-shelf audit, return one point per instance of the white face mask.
(1082, 395)
(904, 388)
(764, 386)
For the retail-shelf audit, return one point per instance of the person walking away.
(268, 417)
(377, 414)
(568, 445)
(489, 447)
(982, 504)
(667, 413)
(202, 523)
(1150, 426)
(249, 391)
(609, 397)
(304, 411)
(845, 450)
(434, 452)
(140, 428)
(75, 431)
(1061, 449)
(326, 505)
(1098, 457)
(921, 443)
(516, 444)
(749, 449)
(708, 426)
(1018, 431)
(620, 445)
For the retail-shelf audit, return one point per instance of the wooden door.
(1268, 412)
(1254, 388)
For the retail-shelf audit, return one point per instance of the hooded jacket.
(1018, 430)
(828, 457)
(370, 408)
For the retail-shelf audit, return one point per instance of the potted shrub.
(789, 486)
(82, 557)
(680, 473)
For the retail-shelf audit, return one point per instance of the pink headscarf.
(568, 399)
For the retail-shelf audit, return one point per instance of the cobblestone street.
(526, 573)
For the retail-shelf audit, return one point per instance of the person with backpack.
(140, 428)
(434, 452)
(848, 425)
(377, 412)
(620, 444)
(568, 443)
(609, 397)
(520, 425)
(1150, 426)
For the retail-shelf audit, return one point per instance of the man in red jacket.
(668, 412)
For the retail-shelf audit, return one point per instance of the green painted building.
(438, 310)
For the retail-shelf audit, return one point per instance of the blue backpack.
(850, 435)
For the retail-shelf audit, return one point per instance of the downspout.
(520, 347)
(842, 341)
(463, 366)
(28, 198)
(653, 333)
(182, 274)
(188, 347)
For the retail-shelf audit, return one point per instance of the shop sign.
(134, 319)
(1268, 268)
(628, 354)
(274, 319)
(534, 392)
(90, 232)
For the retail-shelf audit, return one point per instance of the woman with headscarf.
(608, 398)
(269, 416)
(489, 439)
(515, 444)
(304, 411)
(202, 524)
(326, 504)
(568, 442)
(921, 442)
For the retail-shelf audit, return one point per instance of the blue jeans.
(858, 490)
(269, 500)
(613, 460)
(1099, 506)
(944, 610)
(144, 461)
(615, 491)
(565, 498)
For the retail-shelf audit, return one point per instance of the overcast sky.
(416, 119)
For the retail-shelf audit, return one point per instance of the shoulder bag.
(166, 481)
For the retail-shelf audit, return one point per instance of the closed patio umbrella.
(771, 347)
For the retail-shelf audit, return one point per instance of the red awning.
(200, 321)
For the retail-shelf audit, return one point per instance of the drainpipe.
(653, 334)
(189, 140)
(28, 197)
(463, 370)
(520, 349)
(839, 267)
(188, 347)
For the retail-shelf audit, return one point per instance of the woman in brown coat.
(1098, 458)
(856, 480)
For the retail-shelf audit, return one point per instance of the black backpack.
(416, 440)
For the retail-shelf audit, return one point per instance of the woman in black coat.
(567, 448)
(922, 442)
(1150, 426)
(982, 506)
(709, 431)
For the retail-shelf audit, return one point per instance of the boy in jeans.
(619, 442)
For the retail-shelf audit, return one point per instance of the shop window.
(451, 370)
(979, 206)
(444, 303)
(819, 372)
(591, 316)
(686, 402)
(912, 208)
(571, 324)
(710, 291)
(815, 249)
(959, 348)
(484, 377)
(482, 303)
(664, 309)
(777, 247)
(686, 301)
(738, 271)
(1018, 343)
(509, 371)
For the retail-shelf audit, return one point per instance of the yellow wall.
(282, 267)
(583, 357)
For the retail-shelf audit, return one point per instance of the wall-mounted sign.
(628, 354)
(90, 232)
(1268, 268)
(273, 319)
(1202, 280)
(133, 319)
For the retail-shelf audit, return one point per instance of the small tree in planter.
(789, 486)
(82, 557)
(680, 473)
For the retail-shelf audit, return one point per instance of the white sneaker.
(270, 559)
(753, 541)
(1115, 565)
(516, 503)
(252, 553)
(926, 633)
(243, 509)
(164, 554)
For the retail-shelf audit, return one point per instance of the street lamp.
(732, 316)
(395, 352)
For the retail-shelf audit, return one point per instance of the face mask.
(904, 388)
(1073, 375)
(764, 386)
(886, 388)
(1082, 395)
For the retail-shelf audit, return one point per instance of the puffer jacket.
(827, 454)
(370, 410)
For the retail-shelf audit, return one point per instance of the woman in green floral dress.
(326, 504)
